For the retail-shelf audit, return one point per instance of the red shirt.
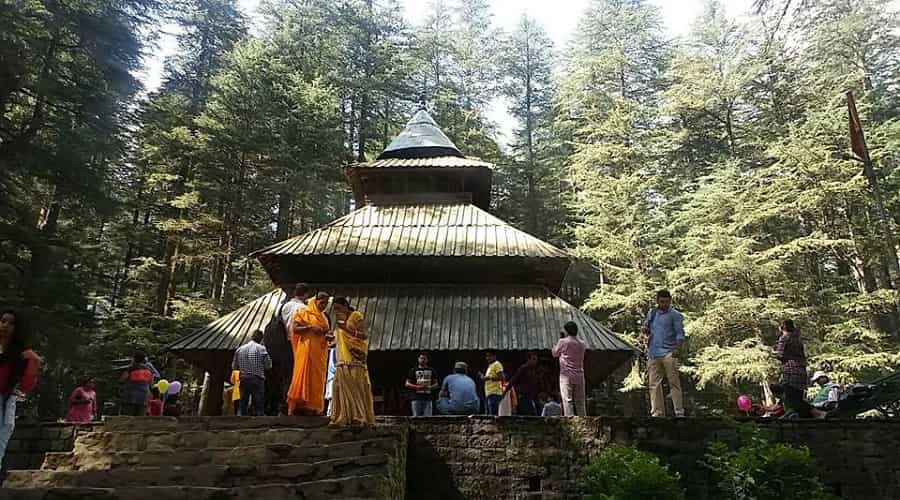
(26, 383)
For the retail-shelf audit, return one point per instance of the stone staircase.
(220, 458)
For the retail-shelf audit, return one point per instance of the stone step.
(245, 455)
(222, 476)
(161, 424)
(359, 487)
(104, 441)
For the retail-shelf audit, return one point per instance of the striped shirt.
(252, 359)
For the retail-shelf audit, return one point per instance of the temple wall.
(535, 458)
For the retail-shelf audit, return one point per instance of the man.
(551, 406)
(570, 351)
(493, 383)
(298, 300)
(137, 380)
(458, 395)
(252, 360)
(277, 340)
(828, 392)
(422, 380)
(525, 381)
(664, 327)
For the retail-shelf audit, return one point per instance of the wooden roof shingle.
(428, 317)
(425, 230)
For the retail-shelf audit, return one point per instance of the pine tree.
(534, 168)
(609, 112)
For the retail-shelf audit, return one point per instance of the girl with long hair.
(19, 367)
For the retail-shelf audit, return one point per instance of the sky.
(558, 17)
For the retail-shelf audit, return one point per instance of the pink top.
(82, 406)
(570, 352)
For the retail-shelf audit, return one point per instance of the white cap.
(816, 376)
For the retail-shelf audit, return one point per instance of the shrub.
(622, 473)
(757, 469)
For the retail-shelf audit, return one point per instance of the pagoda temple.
(430, 268)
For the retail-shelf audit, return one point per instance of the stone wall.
(533, 458)
(31, 440)
(519, 458)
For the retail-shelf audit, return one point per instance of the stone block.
(487, 441)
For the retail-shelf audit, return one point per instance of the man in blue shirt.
(458, 394)
(665, 328)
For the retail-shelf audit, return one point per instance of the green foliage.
(624, 473)
(757, 469)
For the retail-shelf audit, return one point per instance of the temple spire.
(422, 138)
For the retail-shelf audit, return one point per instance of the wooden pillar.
(213, 386)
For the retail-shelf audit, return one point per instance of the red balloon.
(744, 402)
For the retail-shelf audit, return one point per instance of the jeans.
(493, 404)
(573, 399)
(795, 402)
(445, 406)
(133, 409)
(526, 406)
(422, 407)
(253, 391)
(7, 422)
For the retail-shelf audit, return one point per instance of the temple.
(430, 268)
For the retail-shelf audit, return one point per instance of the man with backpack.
(664, 327)
(278, 343)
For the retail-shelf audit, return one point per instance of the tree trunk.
(284, 217)
(165, 290)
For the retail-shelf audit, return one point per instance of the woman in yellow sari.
(306, 395)
(352, 391)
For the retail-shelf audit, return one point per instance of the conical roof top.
(420, 139)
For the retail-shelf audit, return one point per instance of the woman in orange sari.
(352, 391)
(306, 395)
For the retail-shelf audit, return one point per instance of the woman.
(83, 403)
(790, 351)
(306, 395)
(136, 386)
(352, 392)
(18, 371)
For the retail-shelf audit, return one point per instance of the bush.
(622, 473)
(757, 469)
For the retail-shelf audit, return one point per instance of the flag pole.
(861, 150)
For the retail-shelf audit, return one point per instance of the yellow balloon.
(163, 386)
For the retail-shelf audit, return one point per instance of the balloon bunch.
(167, 388)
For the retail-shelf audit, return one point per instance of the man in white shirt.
(297, 302)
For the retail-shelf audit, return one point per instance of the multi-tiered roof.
(424, 260)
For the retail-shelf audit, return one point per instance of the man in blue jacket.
(665, 328)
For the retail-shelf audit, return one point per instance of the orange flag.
(857, 140)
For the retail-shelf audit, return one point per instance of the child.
(552, 408)
(155, 407)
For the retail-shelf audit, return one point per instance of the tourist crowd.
(323, 342)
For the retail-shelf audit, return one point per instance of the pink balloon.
(744, 402)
